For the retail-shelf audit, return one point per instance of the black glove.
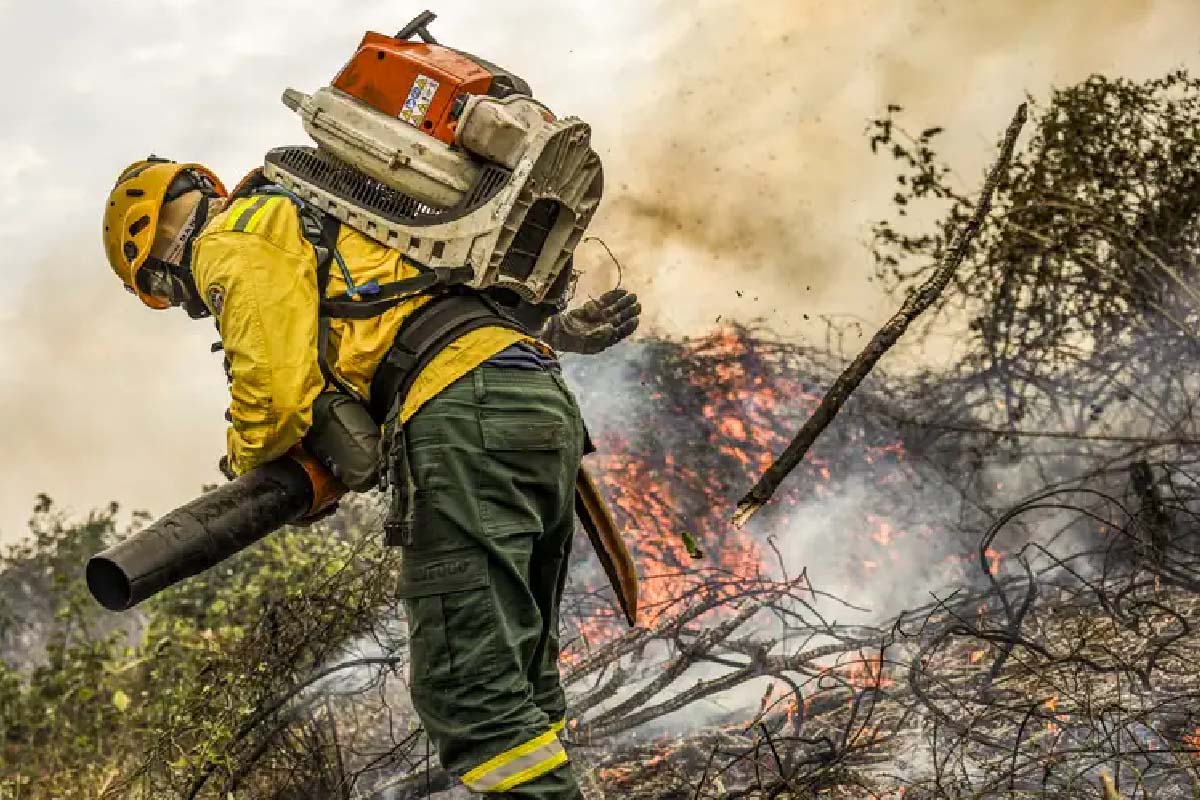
(596, 325)
(226, 470)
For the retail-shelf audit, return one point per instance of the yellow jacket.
(257, 274)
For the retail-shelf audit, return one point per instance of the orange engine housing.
(419, 83)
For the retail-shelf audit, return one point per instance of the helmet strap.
(196, 224)
(194, 306)
(181, 272)
(179, 251)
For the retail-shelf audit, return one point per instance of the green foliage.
(147, 703)
(56, 711)
(1088, 265)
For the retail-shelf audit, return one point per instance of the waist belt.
(424, 334)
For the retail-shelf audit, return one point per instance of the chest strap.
(424, 334)
(389, 295)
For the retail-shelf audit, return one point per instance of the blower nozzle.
(201, 534)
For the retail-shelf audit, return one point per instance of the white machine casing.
(510, 198)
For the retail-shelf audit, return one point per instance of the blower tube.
(201, 534)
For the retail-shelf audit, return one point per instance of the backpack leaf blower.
(447, 158)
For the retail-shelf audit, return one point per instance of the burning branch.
(883, 340)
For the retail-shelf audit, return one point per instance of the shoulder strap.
(392, 294)
(424, 334)
(324, 245)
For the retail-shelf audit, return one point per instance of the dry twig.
(914, 305)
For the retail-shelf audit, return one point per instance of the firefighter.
(493, 438)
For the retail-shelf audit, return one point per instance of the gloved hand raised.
(596, 325)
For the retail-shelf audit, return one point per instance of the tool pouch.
(345, 439)
(397, 481)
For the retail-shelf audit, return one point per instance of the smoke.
(739, 182)
(103, 399)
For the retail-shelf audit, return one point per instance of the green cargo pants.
(493, 459)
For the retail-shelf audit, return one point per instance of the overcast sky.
(731, 132)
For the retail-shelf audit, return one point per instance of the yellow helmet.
(131, 216)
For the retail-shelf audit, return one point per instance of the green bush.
(178, 695)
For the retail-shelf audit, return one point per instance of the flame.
(1192, 742)
(721, 410)
(867, 672)
(793, 708)
(1050, 704)
(614, 775)
(883, 534)
(993, 558)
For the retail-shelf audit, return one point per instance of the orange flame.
(993, 557)
(735, 415)
(867, 672)
(1192, 742)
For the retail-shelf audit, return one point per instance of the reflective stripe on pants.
(518, 765)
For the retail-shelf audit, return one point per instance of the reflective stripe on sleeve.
(557, 727)
(248, 214)
(517, 765)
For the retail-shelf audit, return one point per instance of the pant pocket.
(442, 463)
(519, 475)
(452, 622)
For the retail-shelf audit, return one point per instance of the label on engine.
(416, 105)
